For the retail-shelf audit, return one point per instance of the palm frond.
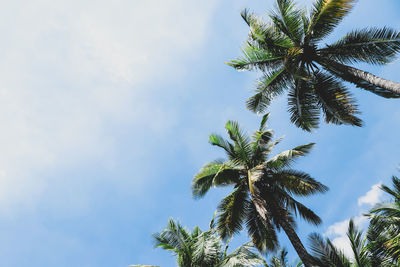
(335, 101)
(302, 106)
(256, 58)
(357, 243)
(288, 19)
(304, 212)
(265, 35)
(263, 123)
(172, 238)
(280, 259)
(395, 192)
(325, 16)
(217, 140)
(326, 253)
(286, 158)
(269, 86)
(216, 173)
(206, 249)
(261, 142)
(261, 147)
(371, 45)
(232, 212)
(242, 144)
(247, 16)
(299, 183)
(262, 233)
(243, 256)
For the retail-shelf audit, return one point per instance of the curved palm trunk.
(306, 258)
(363, 75)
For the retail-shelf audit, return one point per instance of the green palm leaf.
(371, 45)
(288, 20)
(261, 232)
(335, 101)
(326, 253)
(215, 173)
(303, 106)
(286, 158)
(206, 249)
(299, 183)
(203, 249)
(325, 16)
(232, 212)
(242, 256)
(267, 88)
(255, 58)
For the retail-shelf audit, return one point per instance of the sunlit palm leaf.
(242, 145)
(173, 238)
(214, 173)
(286, 158)
(325, 16)
(217, 140)
(264, 35)
(255, 58)
(206, 249)
(242, 256)
(288, 20)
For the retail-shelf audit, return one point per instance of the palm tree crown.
(203, 249)
(264, 186)
(286, 50)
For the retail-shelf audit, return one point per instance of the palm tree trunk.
(391, 86)
(306, 258)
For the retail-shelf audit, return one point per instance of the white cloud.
(68, 68)
(372, 197)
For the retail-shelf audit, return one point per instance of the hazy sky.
(105, 111)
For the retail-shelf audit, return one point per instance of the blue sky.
(106, 109)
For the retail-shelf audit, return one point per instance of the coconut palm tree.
(385, 222)
(263, 188)
(362, 253)
(203, 249)
(288, 52)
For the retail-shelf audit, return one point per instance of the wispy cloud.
(70, 69)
